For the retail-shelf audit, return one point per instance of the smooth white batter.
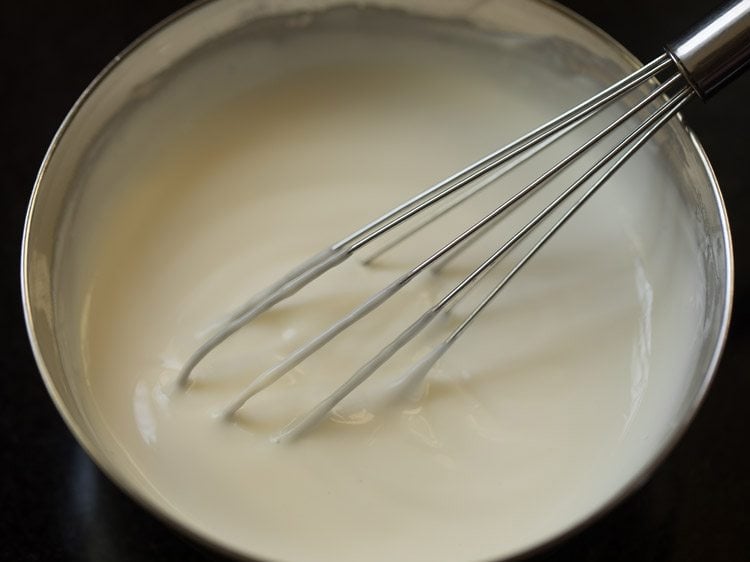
(260, 153)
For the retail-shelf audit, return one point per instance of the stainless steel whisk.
(699, 63)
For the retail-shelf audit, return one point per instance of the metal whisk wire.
(697, 64)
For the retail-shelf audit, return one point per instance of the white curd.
(263, 149)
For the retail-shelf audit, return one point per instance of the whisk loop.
(688, 72)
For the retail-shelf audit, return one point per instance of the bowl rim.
(633, 483)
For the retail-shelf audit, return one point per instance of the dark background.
(56, 505)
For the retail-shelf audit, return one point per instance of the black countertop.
(56, 505)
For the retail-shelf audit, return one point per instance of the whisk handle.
(716, 50)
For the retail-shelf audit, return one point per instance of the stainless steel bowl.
(57, 192)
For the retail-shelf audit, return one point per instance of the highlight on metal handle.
(716, 50)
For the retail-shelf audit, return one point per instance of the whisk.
(699, 63)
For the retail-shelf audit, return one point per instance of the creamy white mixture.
(260, 153)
